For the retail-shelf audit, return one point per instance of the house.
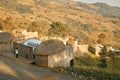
(33, 43)
(6, 42)
(30, 34)
(19, 38)
(95, 49)
(26, 33)
(82, 50)
(53, 53)
(26, 49)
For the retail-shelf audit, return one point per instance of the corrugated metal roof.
(32, 42)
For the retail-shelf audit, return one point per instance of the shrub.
(90, 74)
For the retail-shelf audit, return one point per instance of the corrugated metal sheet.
(32, 42)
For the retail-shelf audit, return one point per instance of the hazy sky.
(110, 2)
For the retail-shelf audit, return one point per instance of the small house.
(33, 43)
(19, 38)
(6, 42)
(26, 34)
(53, 53)
(26, 49)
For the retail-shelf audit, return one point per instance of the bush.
(103, 63)
(90, 74)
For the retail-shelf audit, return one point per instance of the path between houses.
(13, 69)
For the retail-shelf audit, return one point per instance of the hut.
(6, 42)
(33, 43)
(26, 49)
(53, 53)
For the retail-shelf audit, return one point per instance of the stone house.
(53, 53)
(26, 34)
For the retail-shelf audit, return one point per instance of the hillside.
(83, 21)
(102, 8)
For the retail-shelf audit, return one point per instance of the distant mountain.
(108, 11)
(102, 8)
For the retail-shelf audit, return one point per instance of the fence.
(24, 51)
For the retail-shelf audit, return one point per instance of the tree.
(6, 25)
(103, 54)
(101, 39)
(33, 27)
(40, 27)
(57, 28)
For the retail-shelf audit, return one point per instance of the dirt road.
(15, 70)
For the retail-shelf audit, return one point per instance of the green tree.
(103, 54)
(58, 29)
(8, 24)
(34, 26)
(101, 39)
(40, 27)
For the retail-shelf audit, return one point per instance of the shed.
(52, 53)
(6, 42)
(26, 49)
(33, 43)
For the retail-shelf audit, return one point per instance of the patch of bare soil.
(14, 70)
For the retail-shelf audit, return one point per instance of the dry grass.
(63, 12)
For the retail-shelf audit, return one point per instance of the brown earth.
(11, 69)
(68, 13)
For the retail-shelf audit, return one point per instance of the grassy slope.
(92, 63)
(70, 14)
(86, 68)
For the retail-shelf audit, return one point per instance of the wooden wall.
(24, 51)
(6, 47)
(41, 60)
(61, 59)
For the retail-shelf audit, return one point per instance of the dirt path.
(15, 70)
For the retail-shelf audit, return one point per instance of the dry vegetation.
(83, 21)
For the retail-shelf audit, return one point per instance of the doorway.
(72, 63)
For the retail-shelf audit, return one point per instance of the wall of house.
(19, 38)
(24, 51)
(61, 59)
(75, 45)
(6, 47)
(82, 48)
(30, 34)
(95, 49)
(41, 60)
(26, 34)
